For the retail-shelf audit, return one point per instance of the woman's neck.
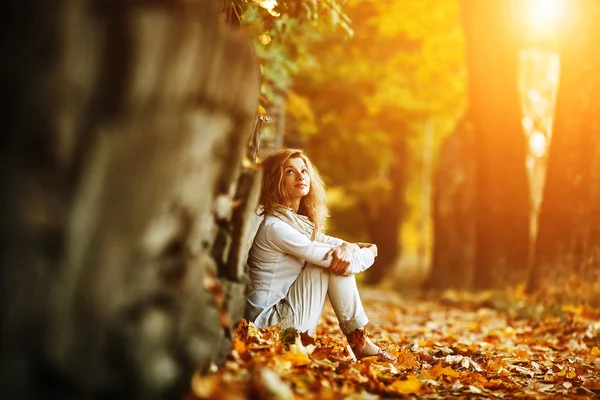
(294, 205)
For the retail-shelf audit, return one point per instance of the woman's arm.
(287, 240)
(370, 246)
(323, 238)
(342, 254)
(337, 242)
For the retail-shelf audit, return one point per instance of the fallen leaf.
(464, 348)
(410, 385)
(288, 336)
(406, 360)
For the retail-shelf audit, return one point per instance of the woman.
(294, 266)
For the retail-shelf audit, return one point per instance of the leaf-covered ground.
(467, 346)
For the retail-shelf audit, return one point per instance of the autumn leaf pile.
(446, 347)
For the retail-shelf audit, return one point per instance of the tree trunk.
(568, 242)
(384, 227)
(126, 127)
(501, 191)
(453, 213)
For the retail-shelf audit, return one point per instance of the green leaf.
(288, 335)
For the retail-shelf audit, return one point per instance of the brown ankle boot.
(357, 339)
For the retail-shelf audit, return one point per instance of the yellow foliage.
(298, 106)
(410, 385)
(297, 357)
(577, 310)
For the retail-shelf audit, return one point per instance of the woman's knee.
(314, 272)
(338, 277)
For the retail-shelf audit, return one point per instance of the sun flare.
(538, 144)
(545, 15)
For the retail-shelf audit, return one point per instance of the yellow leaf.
(297, 357)
(509, 332)
(239, 346)
(595, 351)
(577, 310)
(496, 365)
(438, 371)
(411, 385)
(299, 107)
(253, 330)
(407, 361)
(262, 111)
(523, 355)
(448, 371)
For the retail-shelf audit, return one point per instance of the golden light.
(538, 144)
(527, 122)
(545, 14)
(264, 39)
(268, 5)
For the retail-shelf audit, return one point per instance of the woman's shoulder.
(272, 225)
(270, 228)
(271, 222)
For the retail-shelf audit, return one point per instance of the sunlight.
(264, 39)
(269, 5)
(537, 143)
(527, 122)
(545, 14)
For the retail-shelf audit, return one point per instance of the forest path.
(451, 345)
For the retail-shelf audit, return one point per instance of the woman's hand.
(341, 258)
(370, 246)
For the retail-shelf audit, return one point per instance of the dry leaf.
(410, 385)
(457, 350)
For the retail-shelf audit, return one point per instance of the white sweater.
(277, 257)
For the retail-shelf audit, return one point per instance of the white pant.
(303, 305)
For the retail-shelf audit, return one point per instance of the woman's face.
(296, 181)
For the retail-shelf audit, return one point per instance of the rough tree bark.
(126, 125)
(568, 242)
(501, 191)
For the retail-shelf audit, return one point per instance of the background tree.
(453, 258)
(282, 31)
(500, 202)
(568, 243)
(361, 106)
(501, 190)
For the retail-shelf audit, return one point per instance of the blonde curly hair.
(272, 194)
